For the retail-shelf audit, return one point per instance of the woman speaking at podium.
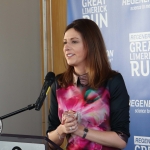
(89, 101)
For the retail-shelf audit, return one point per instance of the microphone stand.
(29, 107)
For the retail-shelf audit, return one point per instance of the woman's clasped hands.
(69, 121)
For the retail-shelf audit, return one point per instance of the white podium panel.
(5, 145)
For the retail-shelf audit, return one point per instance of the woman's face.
(74, 50)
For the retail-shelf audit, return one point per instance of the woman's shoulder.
(58, 80)
(116, 81)
(58, 76)
(116, 76)
(116, 84)
(55, 83)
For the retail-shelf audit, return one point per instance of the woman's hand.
(69, 122)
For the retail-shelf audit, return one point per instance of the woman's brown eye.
(74, 41)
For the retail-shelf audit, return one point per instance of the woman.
(89, 101)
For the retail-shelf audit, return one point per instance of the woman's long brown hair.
(98, 65)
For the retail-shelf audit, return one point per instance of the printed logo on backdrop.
(140, 53)
(110, 54)
(141, 143)
(95, 10)
(140, 106)
(137, 4)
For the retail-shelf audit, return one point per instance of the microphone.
(49, 79)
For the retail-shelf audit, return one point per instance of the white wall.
(20, 65)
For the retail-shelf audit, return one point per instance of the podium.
(25, 142)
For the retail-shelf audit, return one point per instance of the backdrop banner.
(125, 25)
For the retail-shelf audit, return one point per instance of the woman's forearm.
(57, 136)
(106, 138)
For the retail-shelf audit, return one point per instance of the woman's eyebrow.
(72, 38)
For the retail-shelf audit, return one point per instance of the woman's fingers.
(71, 129)
(70, 126)
(69, 120)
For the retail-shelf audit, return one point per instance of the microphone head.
(49, 79)
(49, 76)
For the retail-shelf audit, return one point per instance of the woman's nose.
(66, 47)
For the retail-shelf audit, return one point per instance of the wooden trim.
(59, 21)
(56, 17)
(42, 62)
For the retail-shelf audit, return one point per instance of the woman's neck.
(79, 71)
